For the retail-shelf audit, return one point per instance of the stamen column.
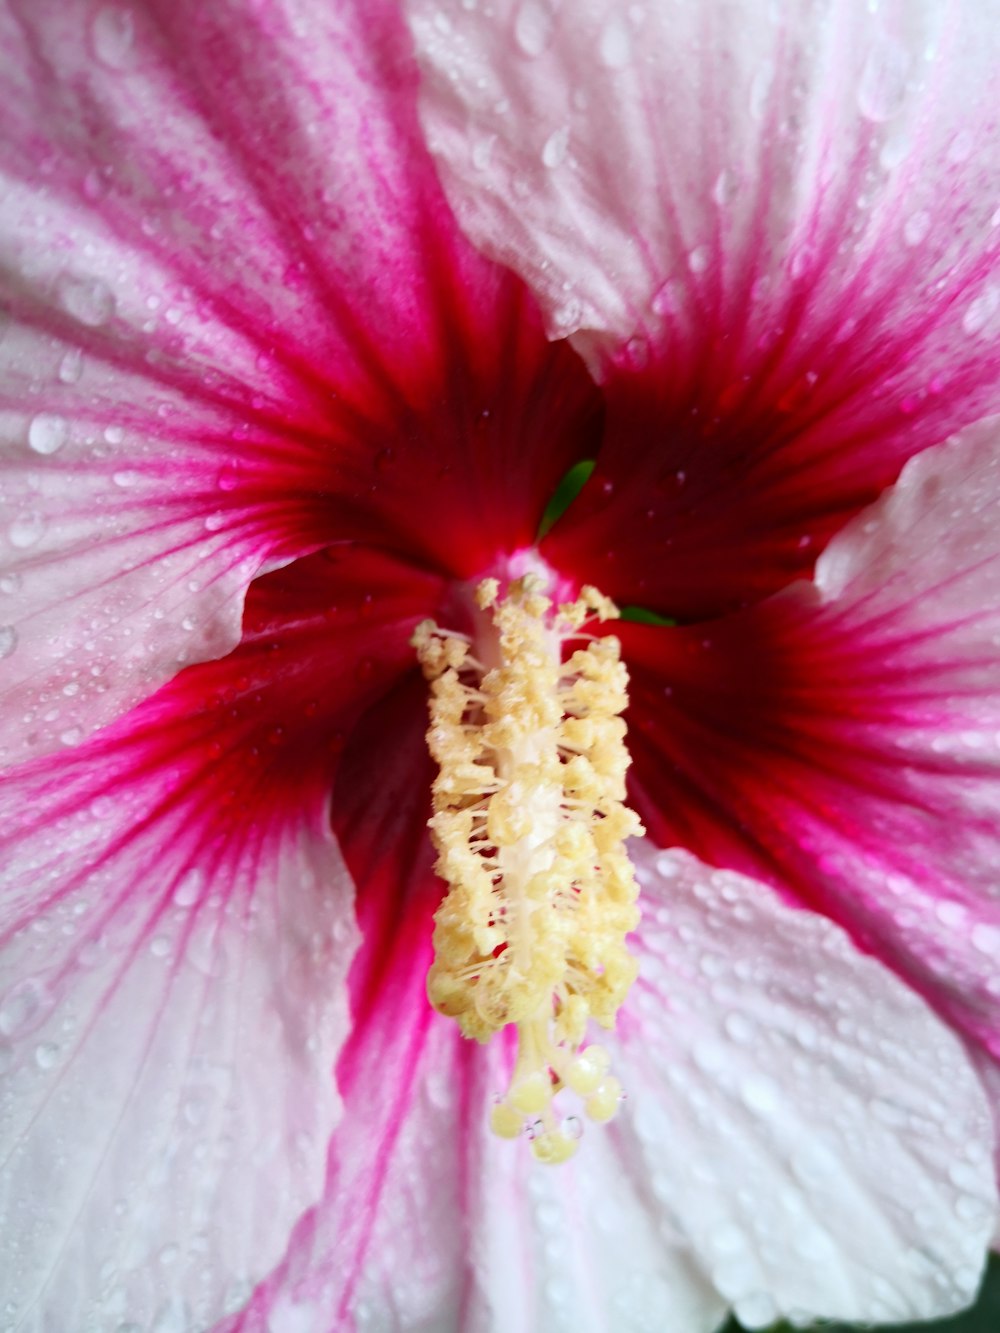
(529, 823)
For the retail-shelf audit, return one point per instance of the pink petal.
(179, 924)
(774, 237)
(815, 1135)
(842, 740)
(242, 325)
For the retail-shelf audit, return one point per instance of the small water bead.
(47, 433)
(71, 366)
(615, 45)
(112, 35)
(24, 1007)
(982, 310)
(8, 640)
(555, 148)
(533, 27)
(26, 530)
(88, 300)
(46, 1055)
(190, 888)
(916, 227)
(883, 85)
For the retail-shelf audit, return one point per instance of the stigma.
(529, 824)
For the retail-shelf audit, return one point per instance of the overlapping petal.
(516, 1245)
(841, 739)
(241, 324)
(815, 1135)
(773, 232)
(178, 928)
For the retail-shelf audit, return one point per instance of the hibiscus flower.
(267, 409)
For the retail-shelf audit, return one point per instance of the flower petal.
(242, 324)
(774, 235)
(171, 1016)
(178, 927)
(814, 1133)
(517, 1247)
(841, 740)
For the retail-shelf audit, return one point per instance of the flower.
(266, 409)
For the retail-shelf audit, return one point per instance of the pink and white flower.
(265, 408)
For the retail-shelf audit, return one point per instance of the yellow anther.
(532, 1094)
(603, 1101)
(554, 1146)
(587, 1070)
(529, 824)
(505, 1122)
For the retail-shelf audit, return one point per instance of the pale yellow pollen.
(529, 824)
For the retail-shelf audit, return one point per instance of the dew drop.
(667, 300)
(46, 1055)
(228, 478)
(555, 148)
(756, 1310)
(88, 300)
(882, 89)
(726, 187)
(8, 640)
(981, 311)
(113, 35)
(760, 91)
(159, 946)
(986, 939)
(698, 259)
(739, 1028)
(916, 227)
(26, 530)
(189, 889)
(71, 366)
(533, 27)
(24, 1007)
(48, 433)
(615, 46)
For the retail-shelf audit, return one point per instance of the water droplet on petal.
(48, 433)
(8, 640)
(533, 27)
(615, 47)
(982, 310)
(726, 187)
(88, 300)
(189, 889)
(26, 530)
(698, 259)
(113, 36)
(916, 227)
(986, 939)
(882, 89)
(46, 1055)
(71, 366)
(555, 148)
(24, 1007)
(228, 478)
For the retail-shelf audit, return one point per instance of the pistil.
(529, 823)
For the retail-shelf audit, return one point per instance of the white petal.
(172, 1007)
(685, 170)
(431, 1223)
(816, 1135)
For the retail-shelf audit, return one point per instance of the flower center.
(529, 823)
